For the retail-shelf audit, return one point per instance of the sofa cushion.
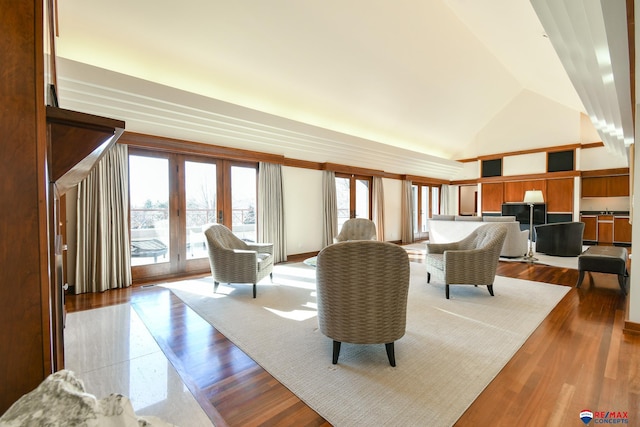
(442, 217)
(508, 218)
(468, 218)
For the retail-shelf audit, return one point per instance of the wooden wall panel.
(560, 195)
(513, 191)
(492, 196)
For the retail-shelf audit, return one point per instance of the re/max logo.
(612, 414)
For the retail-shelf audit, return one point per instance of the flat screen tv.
(521, 212)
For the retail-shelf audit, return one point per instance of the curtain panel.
(378, 207)
(330, 208)
(271, 228)
(407, 213)
(103, 246)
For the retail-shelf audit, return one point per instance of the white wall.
(302, 209)
(600, 158)
(524, 164)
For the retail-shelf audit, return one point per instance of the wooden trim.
(631, 328)
(536, 176)
(158, 143)
(425, 181)
(593, 145)
(605, 172)
(302, 164)
(465, 182)
(533, 150)
(631, 28)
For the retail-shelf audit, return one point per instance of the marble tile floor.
(112, 351)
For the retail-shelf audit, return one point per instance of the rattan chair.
(470, 261)
(362, 294)
(235, 261)
(357, 229)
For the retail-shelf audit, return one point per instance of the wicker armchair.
(362, 294)
(356, 229)
(470, 261)
(235, 261)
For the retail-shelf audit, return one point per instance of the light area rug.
(451, 350)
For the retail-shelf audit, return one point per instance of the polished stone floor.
(112, 351)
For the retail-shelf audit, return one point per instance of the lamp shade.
(533, 196)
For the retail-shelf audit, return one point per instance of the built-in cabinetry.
(605, 186)
(606, 228)
(557, 193)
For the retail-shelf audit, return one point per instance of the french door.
(353, 194)
(426, 202)
(172, 197)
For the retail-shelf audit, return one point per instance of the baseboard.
(631, 328)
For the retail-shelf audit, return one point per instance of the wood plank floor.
(577, 359)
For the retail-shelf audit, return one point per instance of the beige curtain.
(103, 247)
(271, 209)
(445, 204)
(330, 208)
(407, 213)
(378, 207)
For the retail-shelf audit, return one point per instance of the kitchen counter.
(620, 213)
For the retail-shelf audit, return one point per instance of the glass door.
(173, 197)
(353, 196)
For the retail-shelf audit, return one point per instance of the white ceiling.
(424, 76)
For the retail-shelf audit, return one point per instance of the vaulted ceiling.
(404, 84)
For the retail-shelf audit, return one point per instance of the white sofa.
(453, 228)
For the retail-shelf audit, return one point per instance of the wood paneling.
(492, 196)
(26, 356)
(559, 195)
(513, 191)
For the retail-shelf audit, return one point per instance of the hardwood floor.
(577, 359)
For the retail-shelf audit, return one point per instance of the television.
(521, 212)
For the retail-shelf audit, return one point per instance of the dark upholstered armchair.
(470, 261)
(235, 261)
(362, 294)
(560, 238)
(357, 229)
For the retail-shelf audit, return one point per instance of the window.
(353, 194)
(173, 196)
(426, 203)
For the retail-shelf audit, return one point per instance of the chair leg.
(255, 290)
(215, 286)
(428, 277)
(336, 351)
(446, 291)
(580, 277)
(271, 277)
(391, 354)
(490, 288)
(622, 281)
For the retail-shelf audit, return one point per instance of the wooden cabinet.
(605, 186)
(605, 228)
(590, 227)
(621, 230)
(618, 186)
(559, 195)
